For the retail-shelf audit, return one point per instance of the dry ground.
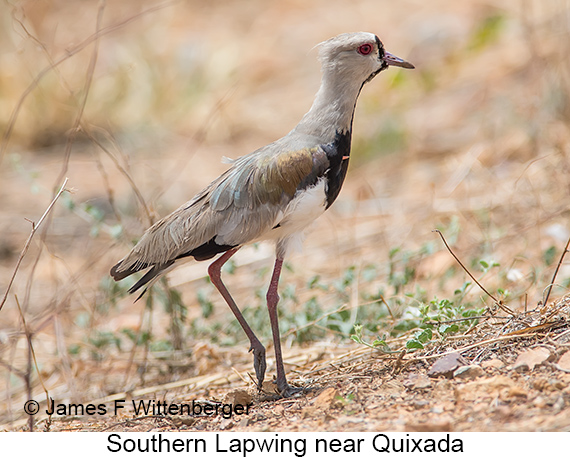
(475, 142)
(513, 384)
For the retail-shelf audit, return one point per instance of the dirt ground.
(360, 391)
(136, 104)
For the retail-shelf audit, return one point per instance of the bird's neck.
(332, 111)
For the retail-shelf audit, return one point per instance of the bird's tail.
(148, 279)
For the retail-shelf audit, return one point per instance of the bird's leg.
(272, 300)
(214, 270)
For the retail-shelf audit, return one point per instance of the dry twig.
(464, 267)
(35, 227)
(556, 271)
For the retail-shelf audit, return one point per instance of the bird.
(272, 194)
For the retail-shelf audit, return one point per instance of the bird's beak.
(393, 61)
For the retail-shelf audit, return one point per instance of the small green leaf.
(393, 252)
(356, 339)
(549, 255)
(448, 329)
(312, 283)
(424, 336)
(95, 212)
(379, 343)
(472, 312)
(414, 344)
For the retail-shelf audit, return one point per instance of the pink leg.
(272, 300)
(214, 270)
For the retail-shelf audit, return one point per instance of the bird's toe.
(259, 363)
(289, 391)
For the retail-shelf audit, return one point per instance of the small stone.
(269, 387)
(519, 367)
(310, 412)
(244, 422)
(540, 402)
(420, 404)
(517, 392)
(238, 397)
(446, 365)
(527, 360)
(564, 362)
(540, 384)
(493, 363)
(184, 421)
(559, 405)
(328, 418)
(468, 372)
(226, 424)
(417, 381)
(325, 398)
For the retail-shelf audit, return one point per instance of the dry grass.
(137, 102)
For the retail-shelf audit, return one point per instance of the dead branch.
(464, 268)
(27, 375)
(35, 227)
(545, 301)
(86, 89)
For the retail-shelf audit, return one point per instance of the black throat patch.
(338, 153)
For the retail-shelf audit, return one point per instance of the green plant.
(378, 343)
(419, 339)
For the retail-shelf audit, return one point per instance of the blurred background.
(137, 102)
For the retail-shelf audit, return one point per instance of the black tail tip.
(114, 273)
(117, 274)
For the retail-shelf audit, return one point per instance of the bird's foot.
(259, 362)
(285, 390)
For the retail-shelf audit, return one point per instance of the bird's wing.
(267, 178)
(236, 208)
(257, 190)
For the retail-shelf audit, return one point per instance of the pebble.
(468, 372)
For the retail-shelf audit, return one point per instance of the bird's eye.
(365, 49)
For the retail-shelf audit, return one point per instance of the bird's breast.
(307, 205)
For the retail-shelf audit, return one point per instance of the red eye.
(365, 49)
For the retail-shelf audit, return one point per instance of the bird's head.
(357, 56)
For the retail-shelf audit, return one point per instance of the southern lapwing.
(273, 193)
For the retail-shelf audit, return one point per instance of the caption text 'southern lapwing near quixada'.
(273, 193)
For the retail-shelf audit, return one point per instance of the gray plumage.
(275, 192)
